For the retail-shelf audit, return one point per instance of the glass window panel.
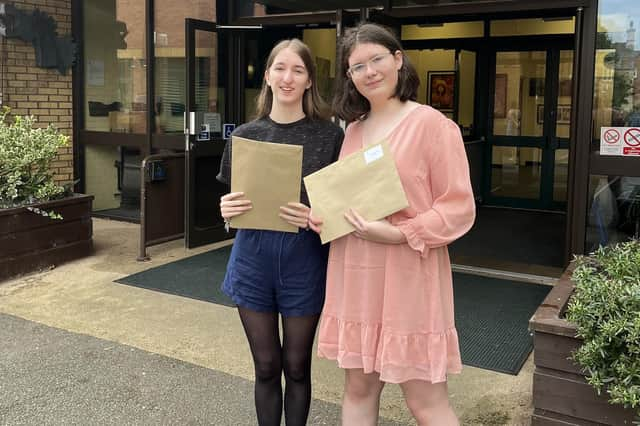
(563, 122)
(209, 97)
(536, 26)
(115, 83)
(442, 31)
(170, 62)
(466, 91)
(515, 172)
(617, 78)
(322, 43)
(614, 210)
(519, 93)
(560, 173)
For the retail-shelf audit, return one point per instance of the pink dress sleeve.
(452, 211)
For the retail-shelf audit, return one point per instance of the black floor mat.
(492, 315)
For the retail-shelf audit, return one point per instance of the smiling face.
(373, 69)
(288, 78)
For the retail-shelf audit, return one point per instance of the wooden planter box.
(31, 242)
(561, 396)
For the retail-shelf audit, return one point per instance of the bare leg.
(361, 401)
(429, 403)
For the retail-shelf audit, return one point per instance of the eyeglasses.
(358, 70)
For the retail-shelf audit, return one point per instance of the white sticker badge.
(373, 154)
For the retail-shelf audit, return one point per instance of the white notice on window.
(95, 72)
(624, 141)
(213, 120)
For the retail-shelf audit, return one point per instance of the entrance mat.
(198, 277)
(492, 315)
(492, 319)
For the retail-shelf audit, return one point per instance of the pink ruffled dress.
(389, 307)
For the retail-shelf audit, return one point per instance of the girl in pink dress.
(388, 313)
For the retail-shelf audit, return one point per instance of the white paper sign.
(95, 72)
(213, 120)
(621, 141)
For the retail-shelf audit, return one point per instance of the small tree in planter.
(26, 153)
(605, 307)
(29, 241)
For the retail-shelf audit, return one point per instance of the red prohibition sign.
(632, 137)
(611, 136)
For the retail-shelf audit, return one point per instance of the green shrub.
(26, 153)
(605, 307)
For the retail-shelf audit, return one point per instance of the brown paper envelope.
(269, 174)
(366, 181)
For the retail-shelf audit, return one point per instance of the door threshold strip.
(508, 275)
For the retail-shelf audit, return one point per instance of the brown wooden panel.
(31, 262)
(20, 219)
(44, 238)
(570, 395)
(553, 351)
(548, 418)
(549, 317)
(164, 212)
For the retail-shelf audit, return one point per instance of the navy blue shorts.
(271, 271)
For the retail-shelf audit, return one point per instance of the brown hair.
(313, 105)
(348, 103)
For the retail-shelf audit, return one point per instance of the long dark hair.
(348, 103)
(313, 105)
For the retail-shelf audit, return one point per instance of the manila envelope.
(366, 181)
(269, 174)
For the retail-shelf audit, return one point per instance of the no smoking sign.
(620, 141)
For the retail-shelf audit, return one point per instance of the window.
(614, 210)
(616, 100)
(115, 83)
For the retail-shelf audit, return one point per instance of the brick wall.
(43, 93)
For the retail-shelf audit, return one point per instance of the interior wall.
(101, 176)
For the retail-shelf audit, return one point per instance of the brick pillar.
(43, 93)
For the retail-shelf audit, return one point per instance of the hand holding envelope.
(269, 174)
(366, 181)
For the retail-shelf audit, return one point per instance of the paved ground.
(78, 348)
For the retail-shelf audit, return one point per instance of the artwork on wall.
(500, 97)
(564, 114)
(441, 90)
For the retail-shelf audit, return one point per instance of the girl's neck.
(284, 115)
(385, 107)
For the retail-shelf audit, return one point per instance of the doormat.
(197, 277)
(492, 315)
(492, 319)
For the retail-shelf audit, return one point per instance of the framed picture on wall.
(564, 114)
(540, 114)
(500, 97)
(441, 90)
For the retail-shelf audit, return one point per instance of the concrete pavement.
(201, 346)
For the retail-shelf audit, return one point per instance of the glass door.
(204, 143)
(529, 129)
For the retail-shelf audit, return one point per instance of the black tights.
(270, 358)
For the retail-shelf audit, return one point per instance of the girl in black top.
(277, 274)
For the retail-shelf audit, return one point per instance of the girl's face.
(288, 78)
(373, 69)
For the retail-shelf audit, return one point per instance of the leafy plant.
(605, 307)
(26, 153)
